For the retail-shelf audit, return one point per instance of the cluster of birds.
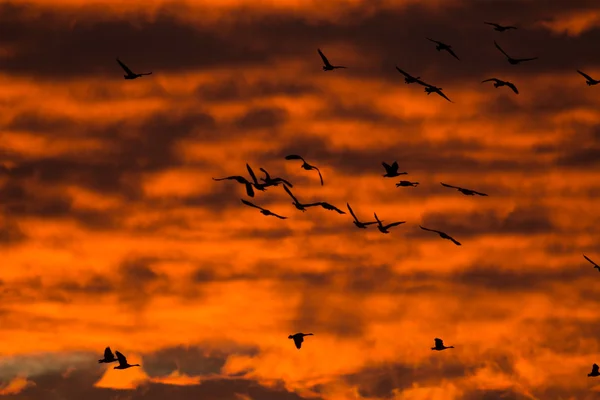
(391, 172)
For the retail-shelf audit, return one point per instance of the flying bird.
(108, 356)
(299, 338)
(439, 345)
(263, 211)
(256, 184)
(588, 79)
(326, 206)
(328, 66)
(384, 229)
(123, 364)
(595, 371)
(296, 203)
(442, 235)
(391, 171)
(407, 77)
(305, 165)
(273, 181)
(466, 192)
(434, 89)
(406, 183)
(239, 179)
(362, 225)
(499, 82)
(443, 46)
(130, 73)
(513, 61)
(500, 28)
(593, 263)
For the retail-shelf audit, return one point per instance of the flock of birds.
(391, 172)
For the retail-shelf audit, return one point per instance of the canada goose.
(442, 235)
(299, 338)
(466, 192)
(391, 171)
(384, 229)
(593, 263)
(362, 225)
(263, 211)
(443, 46)
(406, 183)
(499, 83)
(326, 206)
(588, 79)
(123, 364)
(328, 66)
(305, 165)
(407, 77)
(439, 345)
(513, 61)
(131, 74)
(594, 371)
(108, 356)
(434, 89)
(500, 28)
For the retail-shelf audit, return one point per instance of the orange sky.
(113, 233)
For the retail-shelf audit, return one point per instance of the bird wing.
(108, 355)
(294, 157)
(479, 193)
(352, 212)
(493, 24)
(386, 166)
(377, 219)
(334, 208)
(595, 368)
(394, 224)
(438, 342)
(325, 60)
(395, 165)
(267, 176)
(500, 48)
(512, 86)
(449, 50)
(370, 223)
(290, 193)
(249, 190)
(434, 41)
(404, 73)
(278, 216)
(586, 76)
(251, 205)
(426, 229)
(121, 358)
(456, 242)
(491, 79)
(252, 174)
(125, 67)
(584, 256)
(450, 186)
(439, 91)
(526, 59)
(298, 341)
(320, 176)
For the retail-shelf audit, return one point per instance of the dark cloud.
(261, 118)
(238, 89)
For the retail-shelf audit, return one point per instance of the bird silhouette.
(131, 74)
(391, 171)
(239, 179)
(384, 229)
(593, 263)
(305, 165)
(439, 345)
(263, 211)
(434, 89)
(500, 28)
(513, 61)
(442, 235)
(499, 82)
(326, 206)
(296, 203)
(588, 79)
(362, 225)
(595, 371)
(299, 338)
(123, 364)
(406, 183)
(256, 184)
(108, 356)
(407, 77)
(328, 66)
(466, 192)
(443, 46)
(273, 181)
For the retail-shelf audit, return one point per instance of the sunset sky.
(112, 232)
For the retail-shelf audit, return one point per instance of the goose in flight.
(299, 338)
(500, 28)
(442, 235)
(362, 225)
(595, 371)
(296, 203)
(407, 77)
(239, 179)
(384, 228)
(328, 66)
(588, 79)
(130, 73)
(513, 61)
(466, 192)
(439, 345)
(391, 171)
(263, 211)
(305, 165)
(256, 184)
(443, 46)
(406, 183)
(499, 82)
(326, 206)
(123, 364)
(593, 263)
(434, 89)
(108, 356)
(273, 181)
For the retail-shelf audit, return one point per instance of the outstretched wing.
(298, 341)
(376, 219)
(294, 157)
(584, 256)
(479, 193)
(121, 358)
(450, 186)
(252, 174)
(325, 60)
(249, 190)
(395, 224)
(491, 80)
(500, 48)
(586, 76)
(108, 355)
(456, 242)
(426, 229)
(278, 216)
(125, 67)
(351, 212)
(595, 368)
(404, 73)
(493, 24)
(434, 41)
(438, 342)
(386, 166)
(251, 205)
(283, 181)
(290, 193)
(512, 86)
(320, 176)
(443, 95)
(453, 54)
(527, 59)
(334, 208)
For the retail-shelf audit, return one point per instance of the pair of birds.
(363, 225)
(255, 184)
(109, 357)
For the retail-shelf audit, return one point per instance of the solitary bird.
(296, 203)
(406, 183)
(326, 206)
(442, 235)
(500, 28)
(593, 263)
(513, 61)
(407, 77)
(362, 225)
(328, 66)
(256, 184)
(439, 345)
(498, 83)
(595, 371)
(108, 356)
(239, 179)
(391, 171)
(443, 46)
(263, 211)
(588, 79)
(305, 165)
(384, 229)
(299, 338)
(434, 89)
(273, 181)
(130, 73)
(123, 364)
(466, 192)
